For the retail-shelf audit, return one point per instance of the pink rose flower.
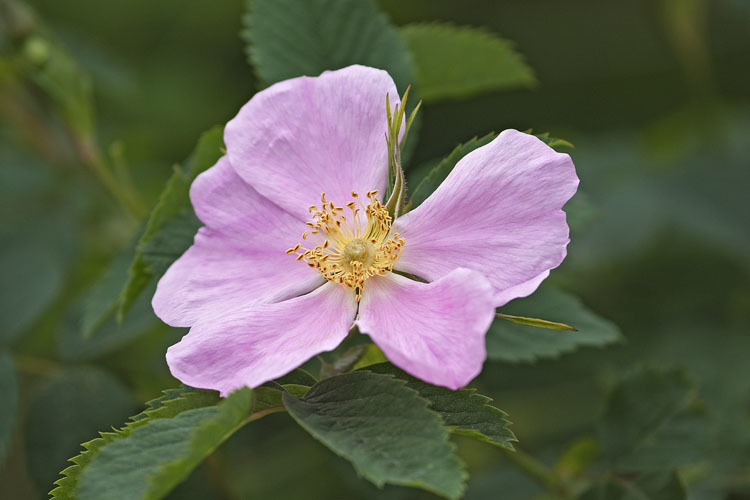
(297, 246)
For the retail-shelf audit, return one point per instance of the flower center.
(350, 250)
(359, 250)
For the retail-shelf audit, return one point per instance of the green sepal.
(518, 341)
(396, 194)
(539, 323)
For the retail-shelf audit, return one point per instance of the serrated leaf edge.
(66, 486)
(461, 464)
(479, 33)
(473, 433)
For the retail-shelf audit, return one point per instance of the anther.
(348, 252)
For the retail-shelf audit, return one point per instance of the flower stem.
(122, 192)
(537, 470)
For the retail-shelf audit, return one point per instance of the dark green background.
(655, 95)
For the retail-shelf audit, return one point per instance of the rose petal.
(434, 331)
(238, 259)
(499, 212)
(309, 135)
(250, 346)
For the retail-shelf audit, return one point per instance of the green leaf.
(369, 355)
(654, 421)
(91, 328)
(156, 449)
(109, 335)
(172, 224)
(9, 407)
(298, 377)
(460, 61)
(511, 342)
(39, 236)
(67, 410)
(267, 398)
(429, 175)
(34, 259)
(553, 142)
(290, 38)
(175, 400)
(438, 173)
(464, 411)
(103, 299)
(651, 486)
(346, 359)
(384, 428)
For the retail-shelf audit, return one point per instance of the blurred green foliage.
(98, 102)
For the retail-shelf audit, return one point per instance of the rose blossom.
(297, 247)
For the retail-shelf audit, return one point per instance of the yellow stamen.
(293, 250)
(349, 252)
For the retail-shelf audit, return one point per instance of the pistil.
(349, 251)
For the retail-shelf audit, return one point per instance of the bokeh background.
(654, 94)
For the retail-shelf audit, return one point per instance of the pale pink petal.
(498, 212)
(309, 135)
(434, 331)
(250, 346)
(521, 290)
(238, 258)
